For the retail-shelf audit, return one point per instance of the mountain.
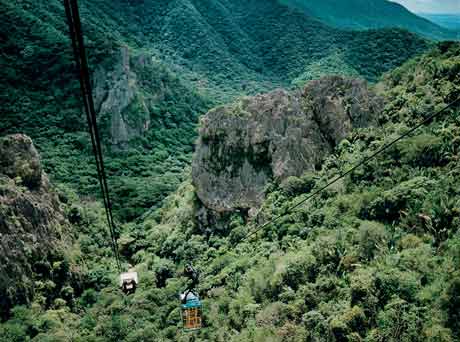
(450, 21)
(156, 67)
(374, 257)
(369, 14)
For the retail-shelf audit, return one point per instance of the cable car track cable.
(74, 22)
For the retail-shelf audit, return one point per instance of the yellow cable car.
(191, 311)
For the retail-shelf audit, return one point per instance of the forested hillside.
(156, 66)
(374, 258)
(365, 14)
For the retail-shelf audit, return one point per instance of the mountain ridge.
(367, 14)
(447, 20)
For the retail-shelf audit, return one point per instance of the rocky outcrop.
(19, 158)
(118, 96)
(245, 145)
(32, 224)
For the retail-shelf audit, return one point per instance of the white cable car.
(129, 282)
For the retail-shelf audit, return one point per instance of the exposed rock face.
(273, 136)
(19, 158)
(31, 220)
(115, 92)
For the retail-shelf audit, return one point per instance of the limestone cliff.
(32, 224)
(245, 145)
(116, 92)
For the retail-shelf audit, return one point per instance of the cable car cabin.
(191, 312)
(128, 282)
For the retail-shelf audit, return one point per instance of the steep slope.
(133, 91)
(33, 230)
(374, 258)
(366, 14)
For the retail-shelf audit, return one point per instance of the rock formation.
(118, 96)
(32, 224)
(245, 145)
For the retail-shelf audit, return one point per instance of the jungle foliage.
(374, 258)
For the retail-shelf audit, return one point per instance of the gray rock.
(243, 146)
(19, 158)
(116, 89)
(32, 223)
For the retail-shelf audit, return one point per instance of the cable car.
(191, 311)
(128, 282)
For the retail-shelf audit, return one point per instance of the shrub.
(317, 327)
(309, 296)
(355, 319)
(271, 315)
(300, 269)
(409, 241)
(13, 332)
(350, 322)
(392, 282)
(437, 333)
(440, 215)
(388, 206)
(373, 239)
(241, 309)
(422, 150)
(364, 292)
(451, 304)
(328, 253)
(399, 322)
(294, 186)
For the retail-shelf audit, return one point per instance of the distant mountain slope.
(450, 21)
(365, 14)
(235, 47)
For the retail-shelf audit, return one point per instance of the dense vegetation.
(374, 258)
(198, 52)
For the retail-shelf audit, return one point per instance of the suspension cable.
(92, 111)
(74, 22)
